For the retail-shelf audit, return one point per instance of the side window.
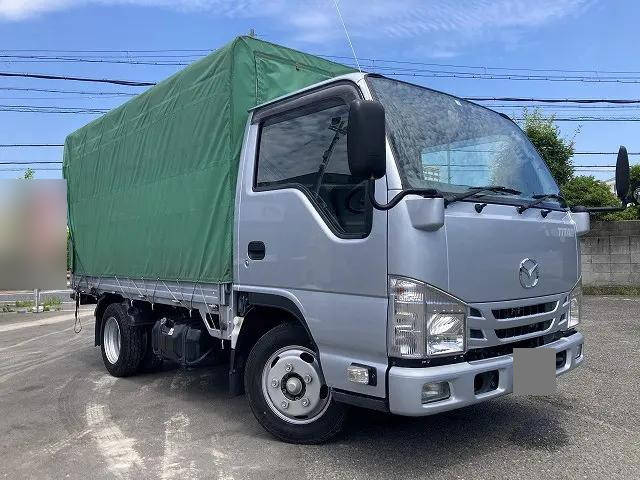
(307, 149)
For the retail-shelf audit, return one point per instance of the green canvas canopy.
(151, 184)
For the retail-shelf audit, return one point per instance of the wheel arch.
(261, 313)
(103, 302)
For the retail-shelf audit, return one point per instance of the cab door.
(305, 232)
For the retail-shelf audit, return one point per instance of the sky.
(411, 39)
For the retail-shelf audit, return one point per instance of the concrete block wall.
(611, 254)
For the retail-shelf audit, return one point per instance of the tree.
(555, 150)
(634, 179)
(590, 192)
(29, 173)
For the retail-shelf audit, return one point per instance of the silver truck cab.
(413, 309)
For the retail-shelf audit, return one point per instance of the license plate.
(534, 371)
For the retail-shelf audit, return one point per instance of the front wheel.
(286, 388)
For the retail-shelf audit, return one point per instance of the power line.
(35, 59)
(50, 109)
(486, 76)
(474, 99)
(33, 162)
(111, 51)
(589, 119)
(45, 76)
(568, 107)
(23, 169)
(552, 100)
(12, 145)
(78, 92)
(483, 67)
(79, 55)
(409, 72)
(603, 153)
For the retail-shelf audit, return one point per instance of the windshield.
(450, 144)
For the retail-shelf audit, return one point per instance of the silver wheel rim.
(293, 385)
(111, 340)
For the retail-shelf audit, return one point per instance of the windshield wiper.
(540, 198)
(476, 190)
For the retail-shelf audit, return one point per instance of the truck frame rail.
(209, 299)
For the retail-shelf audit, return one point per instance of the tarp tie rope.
(77, 325)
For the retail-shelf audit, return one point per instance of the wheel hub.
(111, 339)
(293, 385)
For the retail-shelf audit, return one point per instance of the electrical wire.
(78, 92)
(553, 100)
(46, 76)
(17, 145)
(32, 162)
(133, 55)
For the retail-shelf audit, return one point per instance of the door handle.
(256, 250)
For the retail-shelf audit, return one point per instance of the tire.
(124, 359)
(286, 349)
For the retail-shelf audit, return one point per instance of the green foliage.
(581, 190)
(52, 303)
(555, 150)
(631, 213)
(29, 174)
(626, 290)
(25, 303)
(588, 192)
(634, 179)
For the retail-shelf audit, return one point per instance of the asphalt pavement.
(63, 416)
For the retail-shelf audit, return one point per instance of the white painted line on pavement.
(177, 445)
(116, 448)
(45, 321)
(177, 439)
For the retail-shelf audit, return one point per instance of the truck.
(339, 238)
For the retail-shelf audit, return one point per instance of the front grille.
(524, 311)
(475, 333)
(507, 348)
(522, 330)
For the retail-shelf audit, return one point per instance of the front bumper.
(405, 384)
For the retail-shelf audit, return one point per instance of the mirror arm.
(423, 192)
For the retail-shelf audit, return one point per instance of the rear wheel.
(286, 389)
(123, 346)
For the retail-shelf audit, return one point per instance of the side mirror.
(622, 175)
(366, 139)
(583, 222)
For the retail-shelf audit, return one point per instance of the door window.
(306, 148)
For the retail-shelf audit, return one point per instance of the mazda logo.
(529, 273)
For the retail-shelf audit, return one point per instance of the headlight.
(424, 321)
(575, 305)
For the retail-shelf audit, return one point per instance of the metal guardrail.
(36, 295)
